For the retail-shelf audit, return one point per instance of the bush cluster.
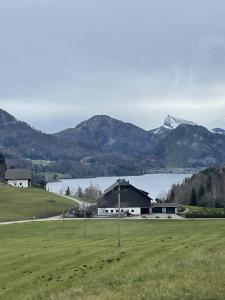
(208, 213)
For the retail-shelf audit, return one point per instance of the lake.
(154, 184)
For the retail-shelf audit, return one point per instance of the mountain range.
(103, 146)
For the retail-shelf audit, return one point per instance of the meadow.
(79, 259)
(22, 204)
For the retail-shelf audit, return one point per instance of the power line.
(220, 119)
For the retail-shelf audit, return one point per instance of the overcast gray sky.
(63, 61)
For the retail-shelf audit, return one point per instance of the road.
(81, 203)
(59, 218)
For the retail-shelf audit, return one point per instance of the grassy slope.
(20, 204)
(158, 260)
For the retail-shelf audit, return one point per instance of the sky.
(63, 61)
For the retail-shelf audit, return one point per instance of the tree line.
(206, 188)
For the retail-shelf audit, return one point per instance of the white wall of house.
(19, 183)
(112, 211)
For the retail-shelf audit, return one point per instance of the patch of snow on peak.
(218, 131)
(171, 122)
(158, 130)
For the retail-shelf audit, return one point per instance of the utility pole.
(63, 216)
(119, 191)
(85, 221)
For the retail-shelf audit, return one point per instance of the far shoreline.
(188, 171)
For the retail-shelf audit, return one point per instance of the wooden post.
(119, 191)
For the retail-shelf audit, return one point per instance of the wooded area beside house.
(206, 188)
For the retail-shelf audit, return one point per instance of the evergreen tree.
(209, 183)
(201, 192)
(68, 191)
(2, 167)
(193, 200)
(172, 196)
(79, 192)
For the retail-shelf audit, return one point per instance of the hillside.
(21, 142)
(96, 147)
(104, 134)
(192, 146)
(206, 188)
(104, 146)
(21, 204)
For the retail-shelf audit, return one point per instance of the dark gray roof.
(130, 196)
(123, 182)
(165, 205)
(18, 174)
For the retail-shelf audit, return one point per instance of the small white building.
(20, 178)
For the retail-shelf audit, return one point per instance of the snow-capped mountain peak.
(171, 122)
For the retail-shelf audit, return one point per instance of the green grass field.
(158, 260)
(21, 204)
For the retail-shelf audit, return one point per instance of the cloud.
(64, 61)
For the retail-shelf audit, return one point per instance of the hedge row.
(205, 215)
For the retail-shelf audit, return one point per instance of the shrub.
(207, 213)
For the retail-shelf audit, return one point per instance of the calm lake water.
(154, 184)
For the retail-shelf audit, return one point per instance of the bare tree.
(91, 193)
(162, 196)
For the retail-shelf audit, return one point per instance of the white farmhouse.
(20, 178)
